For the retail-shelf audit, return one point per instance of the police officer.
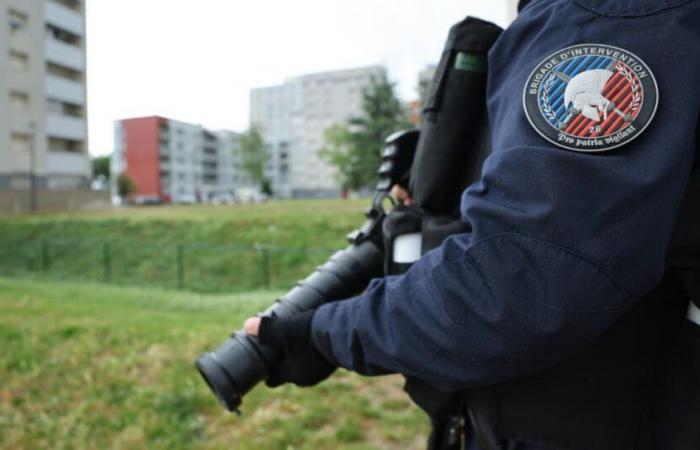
(554, 315)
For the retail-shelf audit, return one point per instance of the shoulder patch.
(590, 97)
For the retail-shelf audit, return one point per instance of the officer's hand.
(401, 195)
(301, 364)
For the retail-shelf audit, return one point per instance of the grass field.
(200, 248)
(93, 366)
(292, 223)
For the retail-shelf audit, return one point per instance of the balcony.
(209, 158)
(65, 90)
(64, 54)
(66, 127)
(64, 17)
(67, 163)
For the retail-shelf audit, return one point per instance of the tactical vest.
(637, 386)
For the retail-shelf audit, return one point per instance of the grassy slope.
(143, 243)
(88, 366)
(307, 223)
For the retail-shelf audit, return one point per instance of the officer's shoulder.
(630, 8)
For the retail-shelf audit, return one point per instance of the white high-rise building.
(276, 110)
(512, 9)
(294, 117)
(43, 114)
(230, 173)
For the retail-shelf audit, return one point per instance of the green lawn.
(291, 223)
(93, 366)
(199, 248)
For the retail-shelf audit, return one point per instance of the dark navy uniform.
(571, 225)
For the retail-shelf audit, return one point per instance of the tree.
(255, 157)
(100, 166)
(354, 148)
(125, 186)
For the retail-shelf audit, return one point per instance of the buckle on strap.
(694, 313)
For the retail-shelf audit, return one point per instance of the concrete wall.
(17, 202)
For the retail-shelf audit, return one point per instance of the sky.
(196, 60)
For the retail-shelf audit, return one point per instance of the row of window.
(64, 36)
(64, 72)
(71, 4)
(18, 22)
(20, 102)
(347, 79)
(22, 143)
(19, 62)
(165, 177)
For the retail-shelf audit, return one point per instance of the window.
(17, 21)
(66, 183)
(65, 109)
(72, 4)
(21, 143)
(62, 35)
(65, 145)
(19, 61)
(64, 72)
(19, 101)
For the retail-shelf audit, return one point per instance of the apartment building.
(294, 116)
(277, 111)
(173, 161)
(43, 118)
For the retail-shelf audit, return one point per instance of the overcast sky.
(196, 60)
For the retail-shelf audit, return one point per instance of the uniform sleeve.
(561, 243)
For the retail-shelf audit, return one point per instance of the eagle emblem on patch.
(590, 97)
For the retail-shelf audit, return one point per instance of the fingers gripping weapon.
(242, 361)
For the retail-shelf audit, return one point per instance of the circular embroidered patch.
(590, 97)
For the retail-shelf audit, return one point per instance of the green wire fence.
(190, 266)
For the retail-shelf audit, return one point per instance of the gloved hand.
(302, 363)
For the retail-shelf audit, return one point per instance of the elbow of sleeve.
(519, 304)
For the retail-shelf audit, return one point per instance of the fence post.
(265, 265)
(107, 261)
(180, 255)
(45, 256)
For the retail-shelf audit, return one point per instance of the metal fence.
(191, 266)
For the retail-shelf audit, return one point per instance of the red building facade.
(141, 141)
